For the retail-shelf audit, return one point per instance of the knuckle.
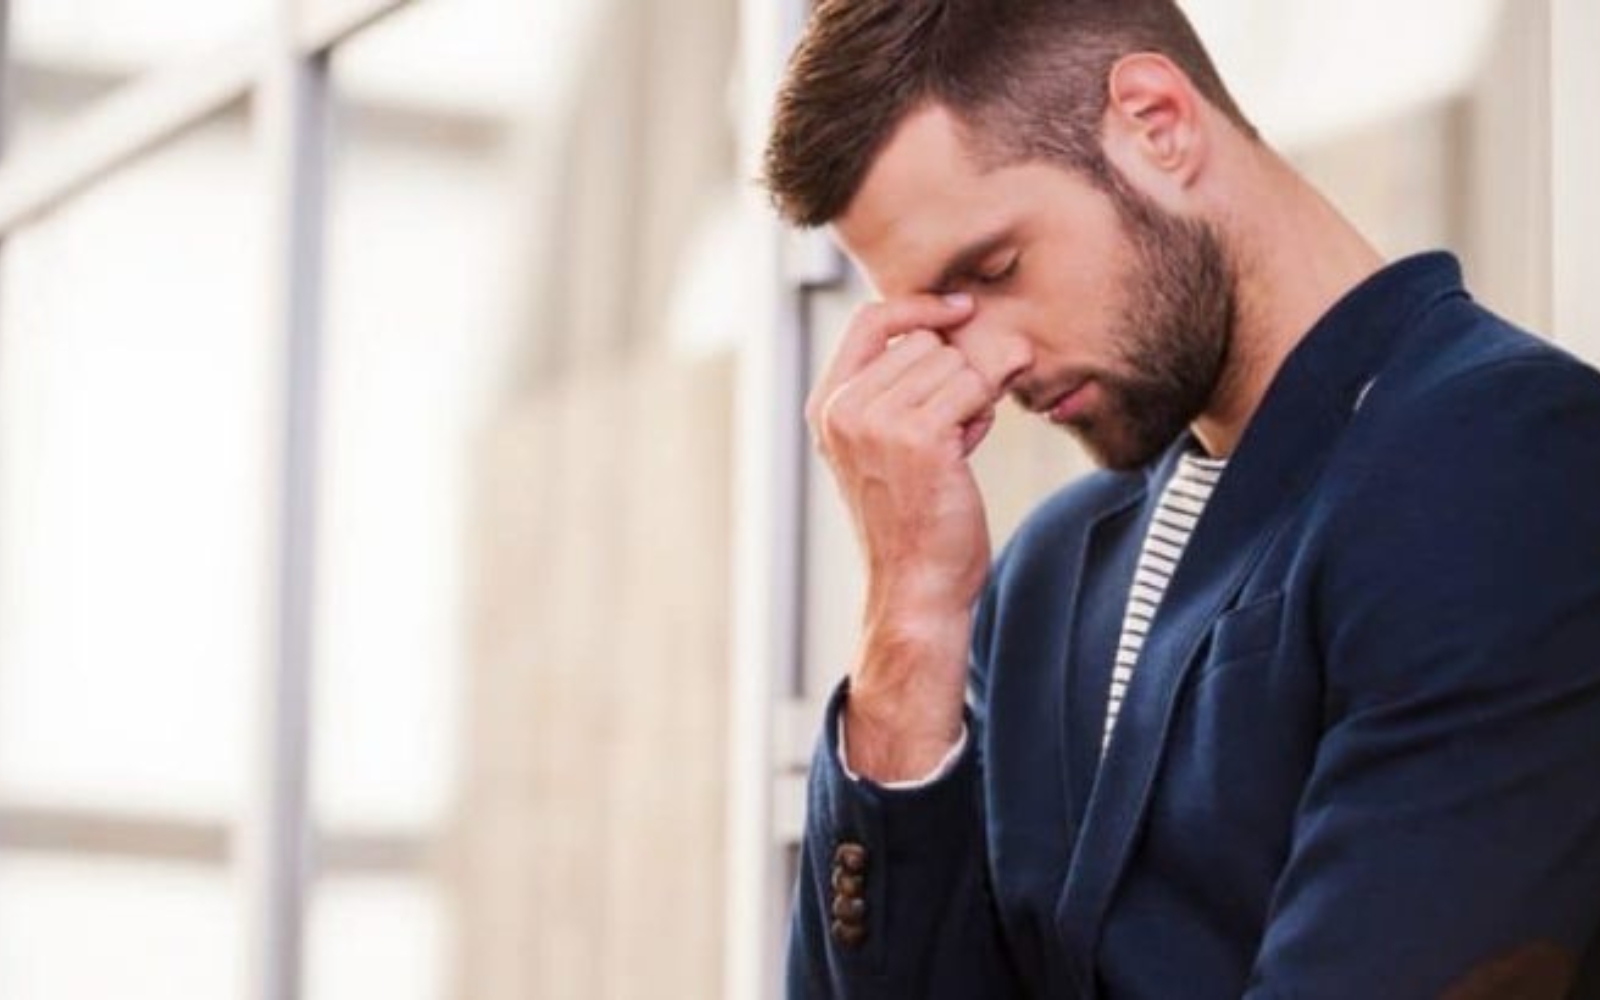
(831, 415)
(918, 342)
(850, 422)
(910, 435)
(821, 444)
(951, 358)
(936, 365)
(976, 382)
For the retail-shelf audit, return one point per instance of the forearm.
(906, 695)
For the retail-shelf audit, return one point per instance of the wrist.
(884, 750)
(906, 697)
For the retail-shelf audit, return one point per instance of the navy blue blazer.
(1360, 756)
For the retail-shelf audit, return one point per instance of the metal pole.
(291, 107)
(769, 556)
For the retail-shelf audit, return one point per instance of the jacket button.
(846, 884)
(849, 908)
(851, 857)
(848, 934)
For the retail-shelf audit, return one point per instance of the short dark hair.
(1026, 78)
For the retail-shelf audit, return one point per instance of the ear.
(1153, 130)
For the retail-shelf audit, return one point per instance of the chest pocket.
(1244, 632)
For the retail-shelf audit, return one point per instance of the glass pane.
(419, 339)
(134, 485)
(468, 57)
(375, 937)
(74, 929)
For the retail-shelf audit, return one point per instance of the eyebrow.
(967, 259)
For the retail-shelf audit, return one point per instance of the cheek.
(1069, 321)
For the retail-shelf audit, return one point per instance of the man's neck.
(1294, 256)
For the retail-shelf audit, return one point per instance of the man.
(1300, 696)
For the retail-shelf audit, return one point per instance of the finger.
(905, 353)
(869, 333)
(914, 383)
(963, 397)
(864, 390)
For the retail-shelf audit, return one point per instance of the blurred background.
(413, 579)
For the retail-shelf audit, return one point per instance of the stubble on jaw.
(1176, 323)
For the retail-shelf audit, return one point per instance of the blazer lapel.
(1105, 574)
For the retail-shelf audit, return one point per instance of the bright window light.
(1307, 71)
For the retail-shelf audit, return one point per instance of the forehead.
(926, 198)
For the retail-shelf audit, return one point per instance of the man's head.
(1027, 78)
(1046, 156)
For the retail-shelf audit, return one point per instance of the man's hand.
(896, 415)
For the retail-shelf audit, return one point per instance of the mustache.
(1037, 397)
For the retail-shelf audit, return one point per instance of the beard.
(1179, 301)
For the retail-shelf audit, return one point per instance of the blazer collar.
(1319, 387)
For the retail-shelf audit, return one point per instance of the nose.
(999, 353)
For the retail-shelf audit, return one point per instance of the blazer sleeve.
(893, 900)
(1448, 841)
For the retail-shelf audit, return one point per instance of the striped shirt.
(1182, 501)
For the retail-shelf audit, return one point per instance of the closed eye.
(999, 275)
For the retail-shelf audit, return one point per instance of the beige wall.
(1470, 173)
(590, 848)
